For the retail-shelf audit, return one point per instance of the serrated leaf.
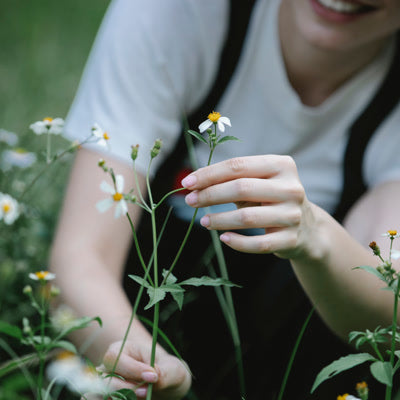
(372, 271)
(10, 330)
(197, 136)
(208, 281)
(226, 138)
(340, 365)
(382, 371)
(171, 278)
(156, 295)
(140, 281)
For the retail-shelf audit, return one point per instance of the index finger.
(264, 166)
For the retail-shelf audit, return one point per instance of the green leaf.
(171, 278)
(178, 297)
(124, 394)
(382, 371)
(63, 344)
(10, 330)
(372, 271)
(226, 138)
(208, 281)
(140, 281)
(197, 136)
(340, 365)
(158, 294)
(79, 323)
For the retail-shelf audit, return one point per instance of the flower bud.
(27, 290)
(134, 152)
(375, 248)
(156, 148)
(54, 291)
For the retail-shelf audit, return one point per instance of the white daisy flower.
(391, 234)
(70, 370)
(116, 198)
(9, 209)
(17, 158)
(101, 136)
(42, 276)
(10, 138)
(215, 118)
(63, 317)
(48, 125)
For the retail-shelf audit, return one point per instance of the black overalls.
(271, 306)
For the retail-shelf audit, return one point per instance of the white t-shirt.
(154, 59)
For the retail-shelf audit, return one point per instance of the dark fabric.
(271, 306)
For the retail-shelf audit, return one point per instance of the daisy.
(42, 276)
(216, 119)
(10, 138)
(9, 209)
(48, 125)
(17, 158)
(101, 136)
(392, 234)
(117, 197)
(63, 318)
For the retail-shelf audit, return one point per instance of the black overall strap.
(239, 18)
(385, 99)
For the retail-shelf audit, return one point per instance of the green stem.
(394, 331)
(41, 351)
(169, 194)
(146, 207)
(376, 349)
(48, 150)
(293, 355)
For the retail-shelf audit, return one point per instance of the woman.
(308, 69)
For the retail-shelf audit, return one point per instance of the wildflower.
(63, 317)
(216, 119)
(17, 158)
(48, 125)
(362, 390)
(9, 209)
(10, 138)
(42, 276)
(347, 396)
(70, 370)
(117, 197)
(392, 234)
(101, 136)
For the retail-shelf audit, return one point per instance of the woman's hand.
(171, 377)
(268, 193)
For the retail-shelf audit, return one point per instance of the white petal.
(395, 254)
(225, 120)
(50, 276)
(221, 126)
(33, 276)
(39, 127)
(104, 205)
(205, 125)
(119, 183)
(106, 188)
(124, 206)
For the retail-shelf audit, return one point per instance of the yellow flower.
(42, 276)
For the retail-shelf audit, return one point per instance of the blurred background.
(44, 47)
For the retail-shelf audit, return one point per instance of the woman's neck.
(314, 72)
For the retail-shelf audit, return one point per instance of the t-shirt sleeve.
(152, 61)
(382, 161)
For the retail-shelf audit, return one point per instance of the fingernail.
(149, 376)
(205, 221)
(191, 199)
(224, 238)
(189, 181)
(141, 392)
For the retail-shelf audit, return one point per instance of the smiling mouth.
(345, 7)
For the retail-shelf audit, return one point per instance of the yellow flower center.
(361, 385)
(42, 274)
(392, 233)
(105, 136)
(343, 397)
(47, 119)
(20, 150)
(117, 196)
(63, 355)
(6, 208)
(214, 116)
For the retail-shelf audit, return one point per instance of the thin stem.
(139, 190)
(169, 194)
(394, 331)
(376, 349)
(48, 150)
(293, 355)
(41, 348)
